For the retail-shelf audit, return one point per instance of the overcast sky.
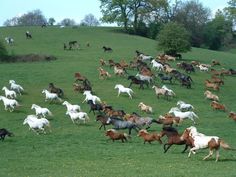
(74, 9)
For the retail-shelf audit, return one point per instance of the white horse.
(89, 96)
(122, 89)
(145, 57)
(184, 106)
(16, 87)
(70, 107)
(36, 124)
(144, 78)
(78, 115)
(157, 66)
(51, 96)
(201, 141)
(9, 93)
(9, 103)
(169, 91)
(41, 111)
(183, 115)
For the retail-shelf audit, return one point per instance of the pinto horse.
(201, 141)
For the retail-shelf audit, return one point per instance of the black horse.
(95, 107)
(165, 77)
(136, 81)
(28, 35)
(56, 90)
(107, 49)
(122, 124)
(4, 132)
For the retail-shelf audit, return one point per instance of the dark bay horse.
(4, 132)
(103, 120)
(136, 81)
(122, 124)
(56, 90)
(173, 138)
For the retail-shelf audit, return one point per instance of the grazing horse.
(122, 89)
(201, 141)
(115, 135)
(56, 90)
(149, 137)
(136, 81)
(173, 138)
(103, 119)
(107, 49)
(122, 124)
(4, 132)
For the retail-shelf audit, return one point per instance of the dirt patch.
(27, 58)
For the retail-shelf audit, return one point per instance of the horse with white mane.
(39, 111)
(51, 96)
(122, 89)
(16, 87)
(36, 124)
(9, 93)
(184, 106)
(89, 96)
(70, 107)
(201, 141)
(9, 104)
(183, 115)
(78, 116)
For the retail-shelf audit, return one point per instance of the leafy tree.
(193, 15)
(90, 20)
(231, 10)
(218, 32)
(174, 38)
(51, 21)
(68, 22)
(32, 18)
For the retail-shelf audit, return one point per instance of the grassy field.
(83, 150)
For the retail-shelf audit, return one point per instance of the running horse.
(56, 90)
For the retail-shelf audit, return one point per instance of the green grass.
(83, 150)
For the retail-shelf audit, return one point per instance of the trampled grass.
(84, 150)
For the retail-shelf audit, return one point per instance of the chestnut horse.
(173, 138)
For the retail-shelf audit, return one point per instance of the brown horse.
(173, 138)
(149, 137)
(115, 135)
(209, 84)
(103, 119)
(56, 90)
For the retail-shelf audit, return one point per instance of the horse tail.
(225, 145)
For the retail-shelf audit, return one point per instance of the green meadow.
(83, 150)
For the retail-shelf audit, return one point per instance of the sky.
(74, 9)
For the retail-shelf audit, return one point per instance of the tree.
(67, 22)
(218, 32)
(193, 15)
(51, 21)
(32, 18)
(174, 38)
(90, 20)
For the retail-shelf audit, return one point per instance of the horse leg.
(192, 150)
(166, 149)
(130, 84)
(130, 96)
(217, 154)
(209, 155)
(118, 93)
(186, 147)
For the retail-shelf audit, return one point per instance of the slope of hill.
(83, 150)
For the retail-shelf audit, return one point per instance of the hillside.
(83, 150)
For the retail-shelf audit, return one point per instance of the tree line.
(148, 18)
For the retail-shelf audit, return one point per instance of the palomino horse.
(201, 141)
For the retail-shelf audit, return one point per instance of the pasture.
(83, 150)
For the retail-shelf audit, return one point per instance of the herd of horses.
(145, 78)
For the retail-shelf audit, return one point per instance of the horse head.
(12, 82)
